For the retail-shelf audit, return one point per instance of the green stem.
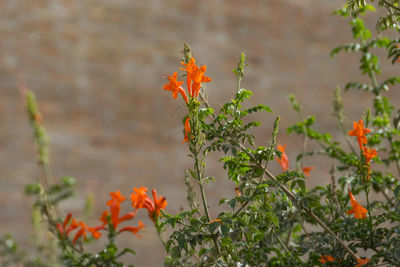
(203, 197)
(289, 236)
(369, 214)
(198, 169)
(253, 194)
(282, 244)
(159, 233)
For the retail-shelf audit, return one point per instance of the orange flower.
(216, 220)
(307, 170)
(359, 131)
(194, 77)
(63, 229)
(369, 154)
(139, 197)
(141, 200)
(95, 231)
(133, 229)
(187, 130)
(115, 208)
(81, 232)
(175, 87)
(283, 161)
(159, 204)
(362, 262)
(84, 228)
(359, 211)
(190, 69)
(198, 78)
(326, 258)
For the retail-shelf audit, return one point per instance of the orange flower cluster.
(115, 207)
(141, 200)
(326, 258)
(112, 217)
(194, 79)
(71, 225)
(359, 211)
(359, 131)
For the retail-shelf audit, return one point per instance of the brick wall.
(97, 68)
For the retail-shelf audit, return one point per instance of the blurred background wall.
(97, 68)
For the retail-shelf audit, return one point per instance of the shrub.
(274, 219)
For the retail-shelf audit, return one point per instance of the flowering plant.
(350, 219)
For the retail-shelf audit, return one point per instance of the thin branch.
(391, 5)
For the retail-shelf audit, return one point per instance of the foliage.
(273, 220)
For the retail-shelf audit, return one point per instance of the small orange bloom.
(369, 154)
(362, 262)
(139, 197)
(175, 87)
(154, 206)
(283, 161)
(359, 211)
(359, 131)
(195, 77)
(307, 170)
(326, 258)
(159, 204)
(81, 232)
(187, 130)
(133, 229)
(216, 220)
(104, 218)
(115, 208)
(198, 78)
(95, 231)
(190, 69)
(63, 229)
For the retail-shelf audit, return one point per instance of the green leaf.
(397, 192)
(33, 189)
